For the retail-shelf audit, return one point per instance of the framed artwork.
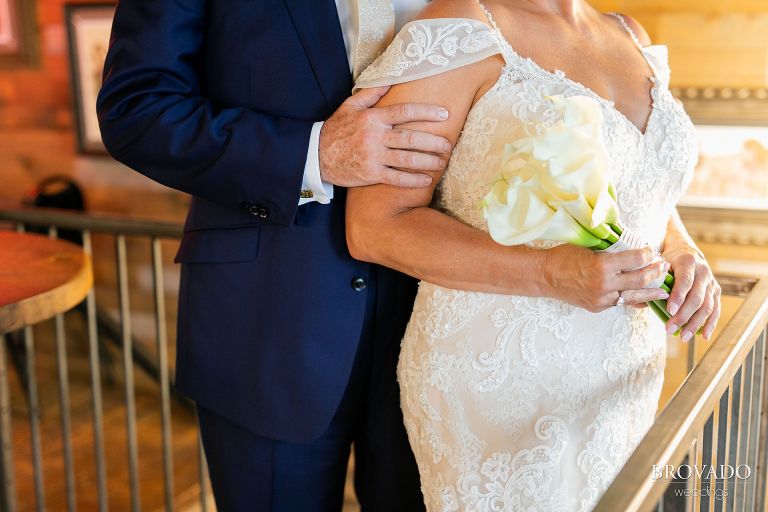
(727, 201)
(18, 33)
(88, 27)
(733, 142)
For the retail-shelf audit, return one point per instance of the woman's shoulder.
(452, 9)
(447, 35)
(634, 26)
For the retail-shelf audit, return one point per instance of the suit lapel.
(317, 23)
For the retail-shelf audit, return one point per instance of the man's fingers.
(410, 112)
(366, 98)
(404, 179)
(630, 260)
(417, 141)
(413, 160)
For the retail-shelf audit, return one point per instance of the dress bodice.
(650, 170)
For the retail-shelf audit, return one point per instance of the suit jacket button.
(256, 210)
(359, 284)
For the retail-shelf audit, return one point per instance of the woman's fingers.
(685, 274)
(709, 327)
(694, 300)
(640, 279)
(626, 261)
(638, 297)
(700, 316)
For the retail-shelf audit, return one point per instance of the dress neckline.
(563, 76)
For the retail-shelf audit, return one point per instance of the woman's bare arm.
(396, 228)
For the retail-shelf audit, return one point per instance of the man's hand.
(593, 280)
(362, 145)
(695, 298)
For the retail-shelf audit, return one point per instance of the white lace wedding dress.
(517, 403)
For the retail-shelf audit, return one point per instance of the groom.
(287, 345)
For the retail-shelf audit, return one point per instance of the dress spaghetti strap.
(488, 15)
(626, 26)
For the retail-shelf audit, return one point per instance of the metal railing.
(708, 448)
(718, 416)
(100, 328)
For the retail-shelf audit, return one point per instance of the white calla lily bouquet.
(556, 186)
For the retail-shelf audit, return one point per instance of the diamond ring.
(621, 301)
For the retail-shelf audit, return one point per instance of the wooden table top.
(39, 278)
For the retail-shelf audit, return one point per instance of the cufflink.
(306, 194)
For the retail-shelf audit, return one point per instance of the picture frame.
(727, 202)
(18, 34)
(725, 105)
(88, 29)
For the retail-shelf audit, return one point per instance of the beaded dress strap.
(626, 26)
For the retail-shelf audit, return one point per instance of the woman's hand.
(695, 298)
(595, 281)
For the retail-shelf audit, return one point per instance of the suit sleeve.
(155, 118)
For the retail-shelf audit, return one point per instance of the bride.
(532, 401)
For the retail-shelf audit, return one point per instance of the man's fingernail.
(672, 307)
(427, 180)
(663, 295)
(447, 147)
(687, 335)
(442, 113)
(666, 266)
(672, 329)
(708, 334)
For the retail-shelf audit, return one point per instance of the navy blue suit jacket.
(217, 98)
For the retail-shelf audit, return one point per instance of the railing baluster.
(7, 474)
(130, 394)
(709, 445)
(34, 419)
(734, 432)
(741, 485)
(723, 442)
(162, 354)
(754, 423)
(66, 423)
(697, 482)
(96, 400)
(761, 450)
(203, 474)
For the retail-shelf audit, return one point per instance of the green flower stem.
(603, 245)
(669, 280)
(658, 311)
(616, 229)
(612, 238)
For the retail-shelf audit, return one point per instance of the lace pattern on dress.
(429, 47)
(520, 403)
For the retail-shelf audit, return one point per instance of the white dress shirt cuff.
(313, 188)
